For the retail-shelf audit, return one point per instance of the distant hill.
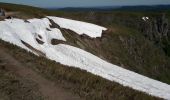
(121, 8)
(145, 8)
(104, 8)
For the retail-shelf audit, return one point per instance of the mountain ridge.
(119, 8)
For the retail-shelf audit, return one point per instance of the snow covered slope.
(79, 27)
(15, 30)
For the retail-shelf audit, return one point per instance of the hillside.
(124, 44)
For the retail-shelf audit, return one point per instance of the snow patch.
(79, 27)
(15, 30)
(145, 18)
(72, 56)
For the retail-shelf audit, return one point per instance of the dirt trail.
(46, 87)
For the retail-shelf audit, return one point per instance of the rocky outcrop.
(156, 29)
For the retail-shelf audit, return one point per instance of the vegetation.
(78, 81)
(123, 44)
(128, 48)
(26, 12)
(13, 87)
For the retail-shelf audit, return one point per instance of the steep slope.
(21, 33)
(134, 51)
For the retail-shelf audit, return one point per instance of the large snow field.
(15, 30)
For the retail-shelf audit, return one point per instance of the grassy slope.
(122, 46)
(85, 84)
(13, 87)
(26, 11)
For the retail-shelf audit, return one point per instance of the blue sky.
(85, 3)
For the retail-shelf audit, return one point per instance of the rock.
(56, 42)
(39, 41)
(156, 29)
(121, 38)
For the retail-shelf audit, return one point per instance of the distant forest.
(119, 8)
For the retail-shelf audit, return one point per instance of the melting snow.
(15, 30)
(79, 27)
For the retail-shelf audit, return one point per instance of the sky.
(85, 3)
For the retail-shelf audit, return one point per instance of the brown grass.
(78, 81)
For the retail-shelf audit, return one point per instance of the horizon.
(87, 3)
(107, 6)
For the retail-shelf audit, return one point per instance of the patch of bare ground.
(33, 49)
